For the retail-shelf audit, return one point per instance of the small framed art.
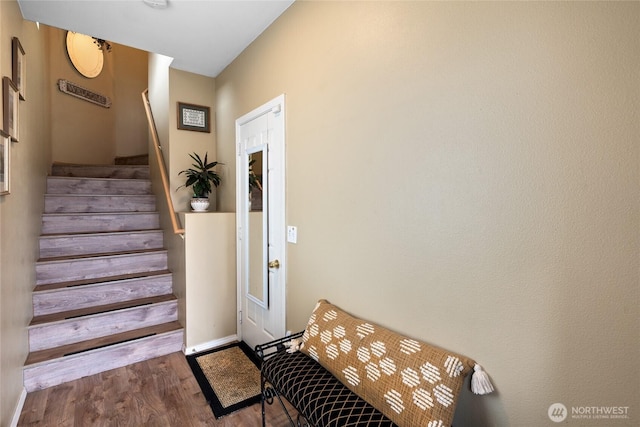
(193, 117)
(11, 97)
(5, 162)
(19, 68)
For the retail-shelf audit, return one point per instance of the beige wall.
(465, 173)
(160, 106)
(211, 278)
(203, 275)
(191, 89)
(20, 211)
(83, 132)
(131, 78)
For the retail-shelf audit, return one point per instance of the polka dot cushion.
(410, 382)
(319, 396)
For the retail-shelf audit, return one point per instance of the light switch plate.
(292, 234)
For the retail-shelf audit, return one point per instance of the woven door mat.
(228, 377)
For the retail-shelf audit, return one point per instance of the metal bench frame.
(265, 352)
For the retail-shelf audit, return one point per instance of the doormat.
(228, 376)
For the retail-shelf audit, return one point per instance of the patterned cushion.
(411, 382)
(318, 395)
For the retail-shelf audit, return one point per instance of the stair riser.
(53, 224)
(62, 185)
(90, 268)
(48, 374)
(117, 210)
(71, 331)
(98, 243)
(78, 203)
(139, 159)
(78, 297)
(126, 172)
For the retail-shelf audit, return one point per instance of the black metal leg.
(262, 399)
(268, 393)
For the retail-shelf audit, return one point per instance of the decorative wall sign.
(83, 93)
(5, 159)
(11, 97)
(19, 68)
(193, 117)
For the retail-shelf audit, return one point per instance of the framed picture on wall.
(19, 68)
(193, 117)
(10, 97)
(5, 161)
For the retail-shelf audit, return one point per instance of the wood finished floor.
(156, 392)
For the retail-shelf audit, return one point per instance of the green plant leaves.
(200, 176)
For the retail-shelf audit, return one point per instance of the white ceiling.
(203, 36)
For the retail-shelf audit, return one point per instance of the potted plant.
(200, 177)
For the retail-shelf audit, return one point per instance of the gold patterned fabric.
(409, 381)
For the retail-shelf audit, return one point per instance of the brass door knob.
(274, 264)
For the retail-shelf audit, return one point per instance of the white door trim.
(276, 106)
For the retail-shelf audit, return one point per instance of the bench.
(351, 372)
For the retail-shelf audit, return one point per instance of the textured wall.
(206, 319)
(211, 277)
(465, 173)
(194, 89)
(20, 211)
(83, 132)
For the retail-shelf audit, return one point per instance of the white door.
(261, 223)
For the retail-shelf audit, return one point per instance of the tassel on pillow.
(480, 383)
(294, 345)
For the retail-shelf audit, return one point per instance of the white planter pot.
(199, 204)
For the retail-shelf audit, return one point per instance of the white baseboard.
(209, 345)
(16, 414)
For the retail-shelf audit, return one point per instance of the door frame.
(277, 183)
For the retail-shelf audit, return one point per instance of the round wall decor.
(84, 54)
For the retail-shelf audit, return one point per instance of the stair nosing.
(59, 352)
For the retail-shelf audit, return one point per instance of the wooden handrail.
(161, 165)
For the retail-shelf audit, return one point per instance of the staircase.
(103, 297)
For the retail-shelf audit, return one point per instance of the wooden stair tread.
(71, 178)
(85, 165)
(61, 165)
(98, 280)
(96, 309)
(54, 214)
(101, 171)
(84, 346)
(98, 233)
(79, 195)
(103, 297)
(99, 255)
